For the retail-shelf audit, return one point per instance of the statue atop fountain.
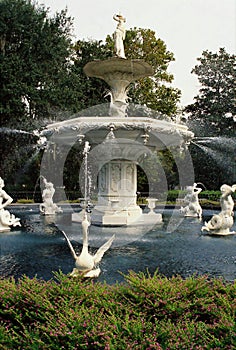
(6, 219)
(48, 207)
(119, 36)
(118, 72)
(220, 224)
(192, 208)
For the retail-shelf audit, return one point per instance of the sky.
(188, 27)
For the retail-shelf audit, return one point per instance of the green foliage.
(214, 109)
(91, 90)
(154, 92)
(34, 62)
(147, 312)
(25, 201)
(172, 195)
(210, 195)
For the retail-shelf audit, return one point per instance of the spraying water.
(86, 179)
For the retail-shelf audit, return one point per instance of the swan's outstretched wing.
(99, 254)
(70, 246)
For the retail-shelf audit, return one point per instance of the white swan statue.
(85, 263)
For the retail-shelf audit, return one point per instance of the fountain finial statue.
(85, 263)
(6, 219)
(192, 207)
(119, 35)
(221, 223)
(48, 207)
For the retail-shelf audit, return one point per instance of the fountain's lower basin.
(38, 247)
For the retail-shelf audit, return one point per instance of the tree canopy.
(155, 92)
(214, 109)
(34, 59)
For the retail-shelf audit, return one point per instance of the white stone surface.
(6, 218)
(221, 223)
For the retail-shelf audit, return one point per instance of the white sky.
(188, 27)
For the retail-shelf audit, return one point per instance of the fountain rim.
(69, 130)
(117, 122)
(131, 69)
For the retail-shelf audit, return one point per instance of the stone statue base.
(219, 224)
(7, 220)
(191, 213)
(4, 228)
(90, 274)
(115, 217)
(50, 210)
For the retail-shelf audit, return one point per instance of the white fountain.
(220, 224)
(192, 206)
(6, 218)
(48, 207)
(122, 136)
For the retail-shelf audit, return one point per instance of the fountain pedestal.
(118, 74)
(117, 183)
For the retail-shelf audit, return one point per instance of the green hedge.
(147, 312)
(209, 195)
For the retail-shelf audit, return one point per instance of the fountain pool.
(38, 247)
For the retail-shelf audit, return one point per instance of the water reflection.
(38, 248)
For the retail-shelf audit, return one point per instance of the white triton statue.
(48, 207)
(193, 207)
(6, 219)
(220, 224)
(119, 36)
(85, 263)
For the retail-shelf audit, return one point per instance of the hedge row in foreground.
(146, 312)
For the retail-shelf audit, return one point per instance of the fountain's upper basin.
(159, 134)
(110, 69)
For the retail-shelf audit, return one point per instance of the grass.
(146, 312)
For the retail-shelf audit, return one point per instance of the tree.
(214, 109)
(154, 92)
(34, 62)
(91, 91)
(35, 80)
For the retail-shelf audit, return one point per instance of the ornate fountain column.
(117, 183)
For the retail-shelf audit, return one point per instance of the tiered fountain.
(117, 140)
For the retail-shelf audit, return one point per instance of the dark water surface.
(39, 248)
